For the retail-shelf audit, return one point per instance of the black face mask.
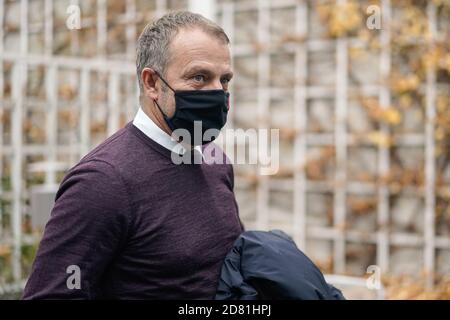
(209, 107)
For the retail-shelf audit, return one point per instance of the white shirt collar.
(144, 123)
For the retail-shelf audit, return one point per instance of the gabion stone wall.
(363, 114)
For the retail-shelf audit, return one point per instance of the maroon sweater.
(137, 225)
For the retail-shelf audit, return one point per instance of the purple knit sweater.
(137, 225)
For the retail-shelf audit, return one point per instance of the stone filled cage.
(364, 119)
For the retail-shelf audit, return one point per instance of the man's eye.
(225, 81)
(199, 78)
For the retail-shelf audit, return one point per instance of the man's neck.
(153, 113)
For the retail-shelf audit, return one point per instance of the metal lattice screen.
(364, 171)
(364, 177)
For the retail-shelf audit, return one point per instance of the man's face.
(198, 61)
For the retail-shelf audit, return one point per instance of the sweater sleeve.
(88, 225)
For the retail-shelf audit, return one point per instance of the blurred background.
(360, 91)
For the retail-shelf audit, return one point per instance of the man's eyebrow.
(200, 69)
(229, 74)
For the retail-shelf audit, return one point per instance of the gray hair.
(153, 43)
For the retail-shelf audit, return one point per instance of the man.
(128, 222)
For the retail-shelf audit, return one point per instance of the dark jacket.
(268, 265)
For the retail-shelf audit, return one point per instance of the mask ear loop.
(157, 104)
(162, 79)
(157, 73)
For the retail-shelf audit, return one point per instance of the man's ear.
(149, 77)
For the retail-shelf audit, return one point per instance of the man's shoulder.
(120, 151)
(111, 147)
(93, 174)
(103, 161)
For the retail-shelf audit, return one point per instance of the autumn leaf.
(380, 139)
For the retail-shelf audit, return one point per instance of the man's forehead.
(195, 48)
(195, 36)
